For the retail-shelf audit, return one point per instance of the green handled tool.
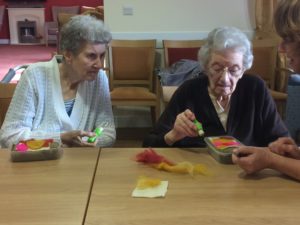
(199, 127)
(98, 131)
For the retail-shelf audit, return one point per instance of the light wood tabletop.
(46, 192)
(227, 197)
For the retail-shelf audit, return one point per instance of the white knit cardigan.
(37, 109)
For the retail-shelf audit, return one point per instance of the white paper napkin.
(154, 192)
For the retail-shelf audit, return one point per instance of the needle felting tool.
(199, 127)
(98, 131)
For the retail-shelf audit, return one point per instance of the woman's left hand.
(252, 159)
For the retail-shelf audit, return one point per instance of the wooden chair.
(174, 50)
(62, 18)
(265, 58)
(266, 64)
(6, 94)
(131, 73)
(51, 27)
(97, 11)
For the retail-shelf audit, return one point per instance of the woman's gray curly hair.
(80, 30)
(224, 38)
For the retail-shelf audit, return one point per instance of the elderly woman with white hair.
(224, 99)
(65, 99)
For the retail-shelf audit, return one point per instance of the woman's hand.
(74, 138)
(285, 146)
(183, 127)
(252, 159)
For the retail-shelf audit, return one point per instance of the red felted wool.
(149, 156)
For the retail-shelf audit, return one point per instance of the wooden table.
(227, 197)
(46, 192)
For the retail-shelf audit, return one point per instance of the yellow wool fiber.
(146, 182)
(183, 167)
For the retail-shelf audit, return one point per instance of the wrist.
(170, 138)
(63, 139)
(271, 159)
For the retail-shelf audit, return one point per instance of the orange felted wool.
(150, 157)
(35, 144)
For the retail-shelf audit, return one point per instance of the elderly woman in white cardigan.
(65, 100)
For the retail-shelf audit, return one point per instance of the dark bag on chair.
(180, 71)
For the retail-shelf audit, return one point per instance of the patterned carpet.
(15, 55)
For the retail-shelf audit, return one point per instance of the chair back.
(97, 12)
(270, 66)
(131, 62)
(64, 9)
(63, 18)
(174, 50)
(131, 72)
(283, 73)
(265, 58)
(6, 94)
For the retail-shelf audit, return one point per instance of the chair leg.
(155, 114)
(153, 117)
(46, 38)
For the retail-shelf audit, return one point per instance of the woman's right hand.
(285, 146)
(74, 138)
(183, 127)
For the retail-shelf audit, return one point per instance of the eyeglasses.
(233, 71)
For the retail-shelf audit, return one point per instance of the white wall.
(177, 19)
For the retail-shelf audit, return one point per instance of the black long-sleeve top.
(252, 119)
